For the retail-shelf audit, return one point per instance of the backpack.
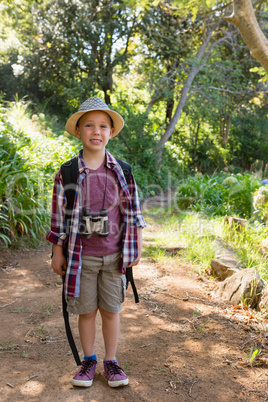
(69, 172)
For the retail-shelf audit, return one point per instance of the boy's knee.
(107, 314)
(88, 316)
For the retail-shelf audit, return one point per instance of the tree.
(168, 39)
(200, 59)
(71, 48)
(212, 35)
(244, 19)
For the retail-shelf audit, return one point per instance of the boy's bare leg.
(110, 330)
(87, 330)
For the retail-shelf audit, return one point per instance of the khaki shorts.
(101, 285)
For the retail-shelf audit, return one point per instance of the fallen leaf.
(241, 364)
(262, 359)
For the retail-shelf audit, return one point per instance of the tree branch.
(125, 142)
(152, 102)
(201, 57)
(244, 19)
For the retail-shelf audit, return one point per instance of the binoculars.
(92, 223)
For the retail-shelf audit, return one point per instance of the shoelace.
(113, 368)
(87, 365)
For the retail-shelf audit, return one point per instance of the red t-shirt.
(93, 188)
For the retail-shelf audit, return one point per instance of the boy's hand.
(136, 262)
(58, 262)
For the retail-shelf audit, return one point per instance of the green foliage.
(261, 71)
(7, 346)
(68, 50)
(248, 136)
(29, 160)
(194, 232)
(247, 245)
(253, 354)
(230, 181)
(260, 203)
(136, 144)
(214, 195)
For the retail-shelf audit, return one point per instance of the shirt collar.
(81, 163)
(110, 161)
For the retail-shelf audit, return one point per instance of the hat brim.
(118, 121)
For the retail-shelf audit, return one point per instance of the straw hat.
(89, 105)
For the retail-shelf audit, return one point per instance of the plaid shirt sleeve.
(57, 233)
(132, 218)
(140, 222)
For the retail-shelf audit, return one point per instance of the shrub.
(218, 195)
(230, 181)
(29, 160)
(260, 203)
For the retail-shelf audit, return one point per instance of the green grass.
(183, 230)
(194, 233)
(247, 245)
(253, 354)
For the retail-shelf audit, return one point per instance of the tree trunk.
(171, 86)
(227, 129)
(169, 109)
(184, 93)
(107, 97)
(225, 124)
(244, 19)
(196, 139)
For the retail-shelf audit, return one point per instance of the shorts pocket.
(72, 304)
(71, 301)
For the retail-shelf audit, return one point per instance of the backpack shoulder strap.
(126, 169)
(69, 172)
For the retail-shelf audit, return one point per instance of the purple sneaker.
(85, 374)
(114, 374)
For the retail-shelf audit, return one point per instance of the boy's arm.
(57, 234)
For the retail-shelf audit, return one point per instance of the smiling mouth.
(95, 141)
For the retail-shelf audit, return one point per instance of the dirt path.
(178, 343)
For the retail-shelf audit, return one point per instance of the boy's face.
(94, 130)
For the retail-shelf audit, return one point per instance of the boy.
(97, 256)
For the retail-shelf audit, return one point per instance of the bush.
(260, 203)
(218, 195)
(29, 160)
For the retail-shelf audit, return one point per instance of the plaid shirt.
(131, 216)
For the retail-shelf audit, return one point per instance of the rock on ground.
(226, 261)
(243, 287)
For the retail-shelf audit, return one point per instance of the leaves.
(28, 164)
(252, 356)
(211, 196)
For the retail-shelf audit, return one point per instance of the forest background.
(193, 98)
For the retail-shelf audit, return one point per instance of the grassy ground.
(191, 234)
